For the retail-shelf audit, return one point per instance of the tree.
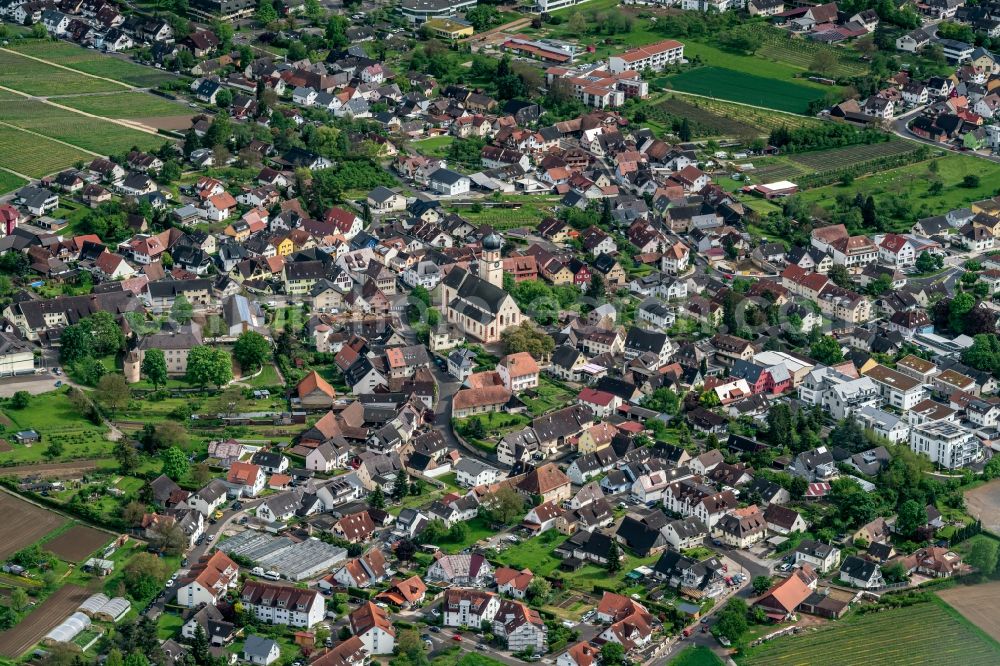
(207, 365)
(732, 621)
(779, 425)
(526, 338)
(143, 575)
(251, 350)
(400, 486)
(761, 584)
(503, 507)
(377, 499)
(201, 474)
(133, 512)
(20, 400)
(182, 311)
(983, 555)
(405, 550)
(824, 63)
(266, 13)
(539, 590)
(163, 436)
(614, 564)
(175, 463)
(112, 392)
(912, 515)
(154, 367)
(126, 455)
(612, 654)
(18, 599)
(54, 450)
(928, 262)
(958, 308)
(168, 538)
(595, 289)
(458, 532)
(970, 181)
(826, 350)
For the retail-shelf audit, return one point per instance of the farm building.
(780, 188)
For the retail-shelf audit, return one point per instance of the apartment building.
(654, 57)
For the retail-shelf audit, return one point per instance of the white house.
(208, 581)
(283, 604)
(464, 607)
(449, 183)
(372, 625)
(470, 473)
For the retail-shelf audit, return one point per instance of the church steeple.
(490, 262)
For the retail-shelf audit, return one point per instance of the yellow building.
(449, 28)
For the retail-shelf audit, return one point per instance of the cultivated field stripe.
(68, 69)
(42, 136)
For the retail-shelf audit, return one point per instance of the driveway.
(33, 384)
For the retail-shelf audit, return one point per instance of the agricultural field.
(790, 167)
(979, 604)
(34, 156)
(18, 640)
(896, 636)
(910, 184)
(24, 525)
(77, 543)
(127, 105)
(57, 421)
(91, 134)
(782, 46)
(92, 62)
(745, 88)
(38, 78)
(10, 182)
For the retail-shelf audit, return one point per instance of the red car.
(456, 637)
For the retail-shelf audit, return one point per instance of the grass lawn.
(57, 421)
(9, 182)
(536, 554)
(547, 397)
(478, 530)
(268, 377)
(127, 105)
(927, 633)
(457, 657)
(910, 185)
(696, 656)
(168, 625)
(436, 146)
(747, 88)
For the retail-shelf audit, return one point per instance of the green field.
(745, 88)
(696, 656)
(127, 105)
(57, 421)
(9, 182)
(38, 78)
(88, 133)
(781, 46)
(791, 167)
(928, 633)
(93, 62)
(33, 156)
(436, 146)
(910, 184)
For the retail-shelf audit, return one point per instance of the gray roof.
(258, 646)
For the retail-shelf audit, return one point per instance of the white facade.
(947, 444)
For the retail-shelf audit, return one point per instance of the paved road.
(899, 128)
(33, 384)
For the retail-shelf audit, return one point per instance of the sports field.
(38, 78)
(93, 62)
(34, 156)
(99, 136)
(928, 633)
(127, 105)
(745, 88)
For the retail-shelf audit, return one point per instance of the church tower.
(490, 263)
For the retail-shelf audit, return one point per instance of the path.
(48, 100)
(19, 175)
(68, 69)
(50, 468)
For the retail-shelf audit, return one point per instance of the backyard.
(547, 397)
(59, 423)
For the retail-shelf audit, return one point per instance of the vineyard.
(33, 156)
(38, 78)
(717, 118)
(91, 134)
(93, 62)
(927, 633)
(819, 162)
(782, 46)
(127, 105)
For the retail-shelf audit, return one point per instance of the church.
(478, 304)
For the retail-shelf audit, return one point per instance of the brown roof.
(544, 480)
(313, 382)
(480, 397)
(786, 595)
(369, 616)
(356, 526)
